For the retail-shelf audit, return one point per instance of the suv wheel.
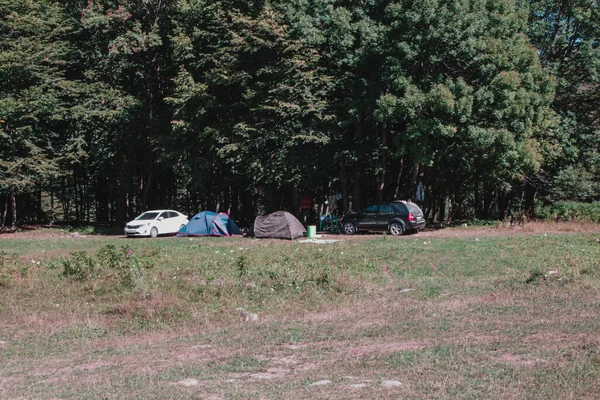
(349, 228)
(396, 229)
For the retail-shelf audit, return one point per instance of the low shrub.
(80, 266)
(570, 211)
(6, 269)
(473, 222)
(109, 262)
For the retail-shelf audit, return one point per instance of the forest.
(109, 108)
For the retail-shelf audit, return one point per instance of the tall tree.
(467, 96)
(349, 36)
(125, 46)
(250, 99)
(33, 94)
(567, 36)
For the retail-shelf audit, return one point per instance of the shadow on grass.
(82, 228)
(94, 229)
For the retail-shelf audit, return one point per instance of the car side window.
(385, 209)
(172, 214)
(164, 215)
(401, 208)
(371, 209)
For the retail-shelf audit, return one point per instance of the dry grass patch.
(475, 326)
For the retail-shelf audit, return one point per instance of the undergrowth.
(570, 211)
(123, 264)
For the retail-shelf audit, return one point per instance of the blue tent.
(208, 223)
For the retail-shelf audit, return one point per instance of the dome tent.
(278, 225)
(208, 223)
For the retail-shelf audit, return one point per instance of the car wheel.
(153, 232)
(396, 229)
(349, 228)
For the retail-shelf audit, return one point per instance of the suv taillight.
(411, 217)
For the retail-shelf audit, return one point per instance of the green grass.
(489, 317)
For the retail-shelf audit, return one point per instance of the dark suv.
(396, 217)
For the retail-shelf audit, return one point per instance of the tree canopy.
(109, 108)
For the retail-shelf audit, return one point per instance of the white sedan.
(156, 222)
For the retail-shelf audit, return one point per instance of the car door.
(385, 213)
(368, 218)
(162, 222)
(173, 222)
(178, 220)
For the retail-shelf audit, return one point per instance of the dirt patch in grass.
(363, 350)
(35, 232)
(553, 340)
(530, 228)
(150, 354)
(147, 355)
(519, 359)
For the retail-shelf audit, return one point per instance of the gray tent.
(279, 225)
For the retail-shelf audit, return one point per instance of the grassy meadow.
(490, 313)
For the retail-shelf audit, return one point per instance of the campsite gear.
(329, 223)
(208, 223)
(312, 231)
(305, 203)
(279, 225)
(420, 192)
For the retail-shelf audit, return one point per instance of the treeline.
(109, 107)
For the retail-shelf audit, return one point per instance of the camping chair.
(333, 224)
(323, 223)
(329, 223)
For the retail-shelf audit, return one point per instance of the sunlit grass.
(468, 317)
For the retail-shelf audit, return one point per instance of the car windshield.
(147, 216)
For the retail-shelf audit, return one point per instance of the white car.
(156, 222)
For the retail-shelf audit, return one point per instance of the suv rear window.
(414, 209)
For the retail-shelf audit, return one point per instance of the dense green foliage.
(109, 108)
(570, 211)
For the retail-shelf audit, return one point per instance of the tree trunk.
(5, 211)
(235, 203)
(51, 202)
(121, 209)
(76, 197)
(295, 200)
(442, 209)
(64, 198)
(382, 162)
(13, 205)
(344, 182)
(356, 200)
(146, 189)
(503, 205)
(248, 209)
(102, 201)
(530, 191)
(397, 190)
(415, 178)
